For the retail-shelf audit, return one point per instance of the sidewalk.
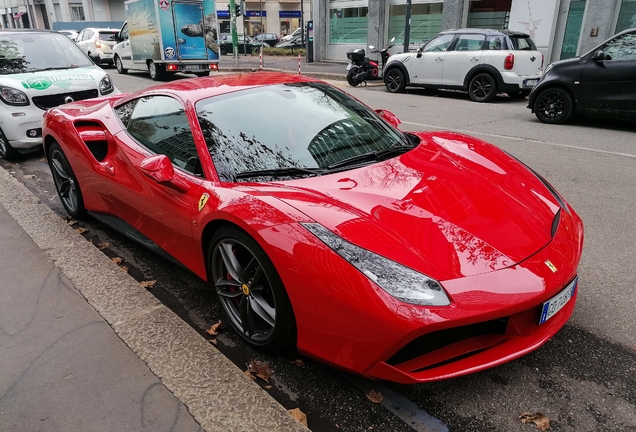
(322, 70)
(84, 348)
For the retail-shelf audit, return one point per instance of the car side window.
(80, 36)
(88, 35)
(622, 48)
(159, 123)
(440, 43)
(124, 32)
(495, 43)
(470, 42)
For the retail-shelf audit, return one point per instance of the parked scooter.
(361, 69)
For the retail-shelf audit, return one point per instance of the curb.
(319, 75)
(214, 390)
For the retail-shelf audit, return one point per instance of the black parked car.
(296, 42)
(246, 44)
(269, 39)
(599, 83)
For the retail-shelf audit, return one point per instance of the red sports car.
(408, 257)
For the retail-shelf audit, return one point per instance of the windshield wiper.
(377, 155)
(72, 66)
(280, 172)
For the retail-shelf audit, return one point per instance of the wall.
(538, 19)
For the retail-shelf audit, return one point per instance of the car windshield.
(30, 52)
(523, 43)
(298, 125)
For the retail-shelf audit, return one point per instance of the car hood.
(54, 81)
(454, 206)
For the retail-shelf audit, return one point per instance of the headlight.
(399, 281)
(106, 85)
(14, 97)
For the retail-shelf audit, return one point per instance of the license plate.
(530, 82)
(190, 67)
(349, 66)
(557, 302)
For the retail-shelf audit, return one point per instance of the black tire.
(395, 81)
(7, 152)
(223, 51)
(202, 74)
(157, 71)
(250, 293)
(482, 88)
(120, 66)
(66, 184)
(354, 71)
(553, 106)
(521, 94)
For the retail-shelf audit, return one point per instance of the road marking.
(400, 406)
(573, 147)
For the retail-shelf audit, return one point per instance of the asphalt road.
(584, 379)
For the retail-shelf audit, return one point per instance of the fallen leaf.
(116, 260)
(249, 375)
(29, 176)
(375, 396)
(148, 284)
(260, 369)
(41, 160)
(298, 362)
(299, 415)
(268, 387)
(71, 222)
(541, 421)
(213, 342)
(214, 329)
(80, 230)
(101, 246)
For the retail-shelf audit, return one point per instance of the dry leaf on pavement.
(260, 369)
(298, 362)
(213, 342)
(148, 284)
(71, 222)
(116, 260)
(249, 375)
(214, 329)
(29, 176)
(299, 415)
(541, 421)
(41, 160)
(124, 268)
(80, 230)
(375, 396)
(101, 246)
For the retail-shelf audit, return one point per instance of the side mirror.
(118, 38)
(419, 52)
(389, 117)
(392, 39)
(598, 56)
(160, 169)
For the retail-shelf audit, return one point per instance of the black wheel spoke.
(59, 169)
(231, 263)
(224, 288)
(263, 309)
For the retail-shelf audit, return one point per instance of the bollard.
(298, 63)
(260, 60)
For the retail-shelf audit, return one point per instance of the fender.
(397, 64)
(484, 68)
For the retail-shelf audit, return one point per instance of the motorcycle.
(361, 69)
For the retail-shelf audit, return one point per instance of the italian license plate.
(349, 66)
(191, 66)
(557, 302)
(530, 82)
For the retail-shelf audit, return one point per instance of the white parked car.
(98, 44)
(71, 34)
(481, 62)
(40, 69)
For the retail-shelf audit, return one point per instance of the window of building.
(77, 13)
(489, 14)
(426, 22)
(626, 16)
(348, 25)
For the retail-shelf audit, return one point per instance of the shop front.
(289, 21)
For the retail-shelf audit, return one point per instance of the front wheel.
(250, 291)
(553, 106)
(65, 182)
(157, 71)
(482, 88)
(6, 151)
(223, 51)
(120, 66)
(395, 81)
(350, 76)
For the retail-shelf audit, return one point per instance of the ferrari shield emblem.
(203, 200)
(551, 266)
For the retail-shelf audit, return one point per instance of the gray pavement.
(83, 347)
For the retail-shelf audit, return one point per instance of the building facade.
(560, 28)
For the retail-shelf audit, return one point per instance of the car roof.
(8, 31)
(101, 29)
(195, 89)
(487, 32)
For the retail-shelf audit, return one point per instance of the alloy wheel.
(552, 105)
(64, 181)
(244, 291)
(481, 88)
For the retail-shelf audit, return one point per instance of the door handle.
(474, 59)
(439, 59)
(106, 169)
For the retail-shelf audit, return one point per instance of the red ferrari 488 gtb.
(408, 257)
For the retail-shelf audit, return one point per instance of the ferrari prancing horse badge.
(203, 200)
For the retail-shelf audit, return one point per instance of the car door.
(161, 211)
(465, 54)
(79, 41)
(428, 66)
(609, 84)
(123, 49)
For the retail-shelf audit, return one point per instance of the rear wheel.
(250, 290)
(120, 66)
(395, 81)
(553, 106)
(157, 71)
(350, 76)
(65, 182)
(223, 51)
(482, 88)
(6, 151)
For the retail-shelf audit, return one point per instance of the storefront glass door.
(573, 25)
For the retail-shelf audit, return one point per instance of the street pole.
(407, 26)
(302, 23)
(233, 30)
(260, 8)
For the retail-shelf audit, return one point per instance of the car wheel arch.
(533, 96)
(491, 70)
(400, 66)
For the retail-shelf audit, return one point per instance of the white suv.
(98, 44)
(481, 62)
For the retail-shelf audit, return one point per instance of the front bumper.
(16, 121)
(514, 82)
